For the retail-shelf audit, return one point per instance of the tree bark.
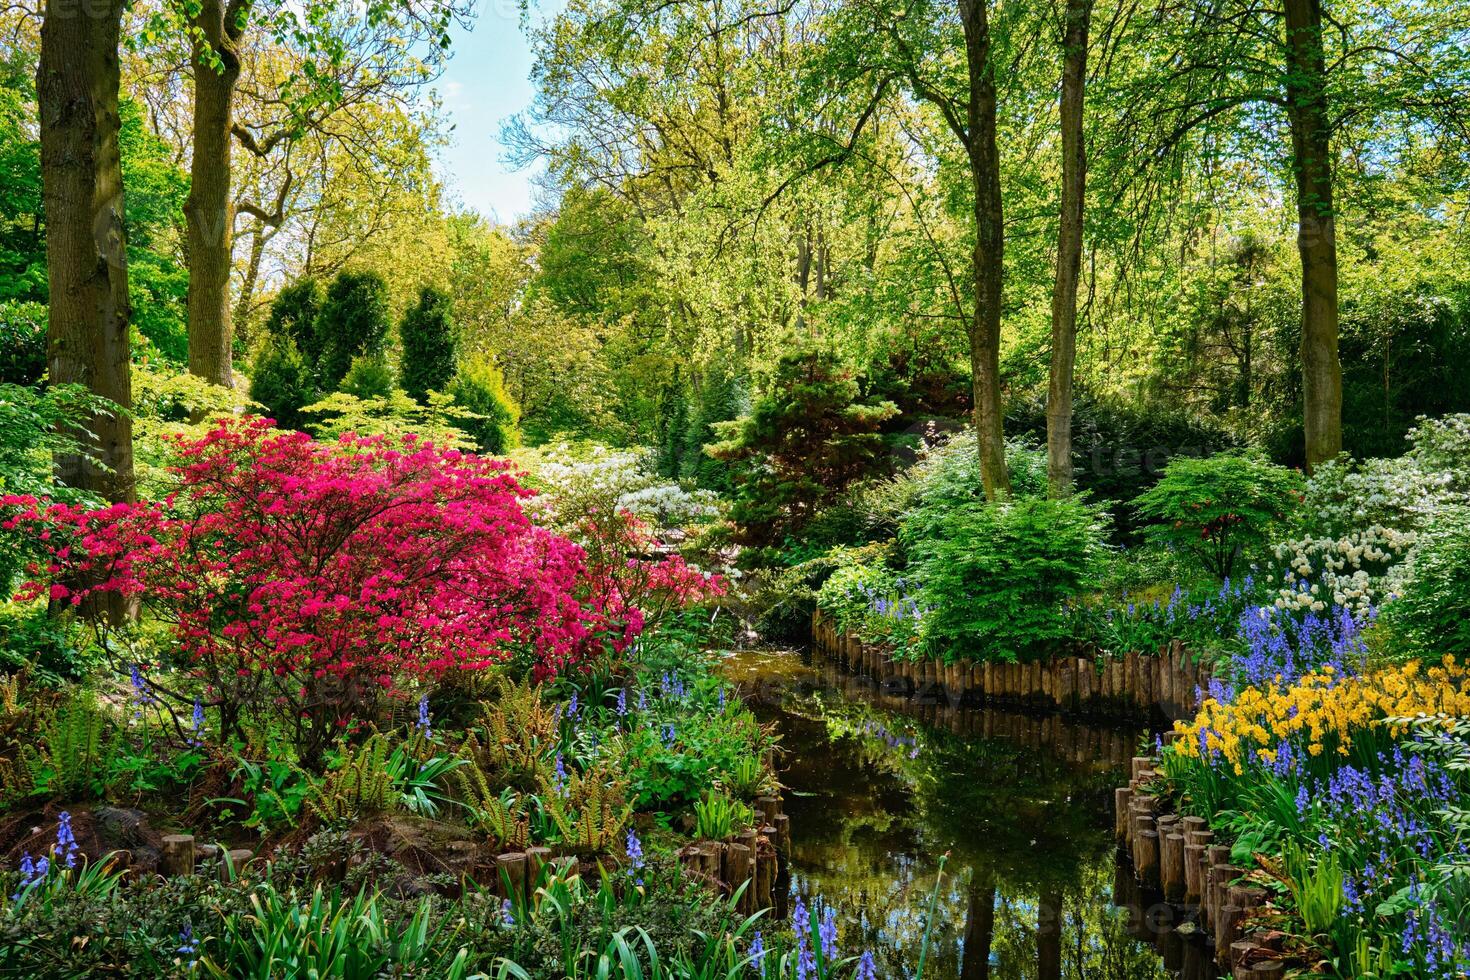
(86, 246)
(209, 210)
(252, 276)
(1316, 230)
(1069, 250)
(988, 263)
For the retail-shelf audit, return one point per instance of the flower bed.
(1344, 796)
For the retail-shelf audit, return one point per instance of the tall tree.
(1212, 75)
(1078, 19)
(210, 211)
(978, 134)
(77, 81)
(969, 108)
(1306, 109)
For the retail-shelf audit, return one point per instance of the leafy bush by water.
(994, 579)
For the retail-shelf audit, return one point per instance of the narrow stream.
(880, 788)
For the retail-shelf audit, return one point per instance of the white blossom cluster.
(577, 481)
(1358, 571)
(1365, 519)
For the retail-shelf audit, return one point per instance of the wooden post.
(1194, 856)
(1242, 952)
(237, 859)
(511, 873)
(1227, 931)
(177, 857)
(1146, 848)
(1171, 867)
(1218, 886)
(737, 873)
(536, 859)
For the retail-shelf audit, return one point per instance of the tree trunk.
(979, 927)
(1316, 230)
(988, 264)
(86, 243)
(252, 276)
(209, 211)
(1069, 251)
(86, 246)
(1049, 936)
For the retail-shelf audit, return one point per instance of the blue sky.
(484, 84)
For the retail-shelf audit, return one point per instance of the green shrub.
(281, 382)
(22, 343)
(1221, 508)
(1121, 448)
(803, 444)
(293, 316)
(353, 321)
(427, 332)
(480, 388)
(993, 579)
(948, 472)
(370, 376)
(1434, 611)
(51, 650)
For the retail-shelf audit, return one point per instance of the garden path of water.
(879, 788)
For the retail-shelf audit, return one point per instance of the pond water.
(881, 788)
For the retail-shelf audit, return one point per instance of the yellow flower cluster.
(1322, 709)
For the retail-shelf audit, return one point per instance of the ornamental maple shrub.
(1220, 509)
(302, 578)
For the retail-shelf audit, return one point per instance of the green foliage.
(22, 247)
(37, 423)
(370, 377)
(479, 388)
(282, 381)
(272, 791)
(395, 416)
(993, 579)
(293, 317)
(158, 280)
(717, 816)
(353, 321)
(1434, 610)
(947, 472)
(330, 935)
(22, 342)
(429, 344)
(73, 749)
(1220, 509)
(589, 809)
(803, 443)
(1121, 447)
(52, 650)
(1316, 887)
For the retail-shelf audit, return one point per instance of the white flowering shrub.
(580, 480)
(1365, 519)
(1358, 571)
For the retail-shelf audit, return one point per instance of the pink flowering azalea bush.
(639, 583)
(301, 578)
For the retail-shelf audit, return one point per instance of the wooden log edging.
(1177, 857)
(1166, 682)
(756, 857)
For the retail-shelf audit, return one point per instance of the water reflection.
(881, 787)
